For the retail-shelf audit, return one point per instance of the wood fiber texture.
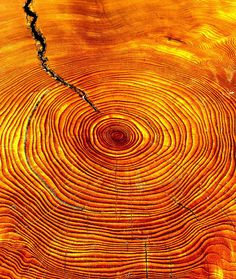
(143, 188)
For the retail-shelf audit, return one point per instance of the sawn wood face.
(118, 150)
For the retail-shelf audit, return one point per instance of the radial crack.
(146, 260)
(41, 48)
(185, 207)
(171, 275)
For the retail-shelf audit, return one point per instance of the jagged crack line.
(41, 45)
(39, 177)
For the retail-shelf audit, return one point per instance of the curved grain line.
(146, 188)
(27, 158)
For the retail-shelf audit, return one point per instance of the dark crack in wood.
(185, 207)
(146, 260)
(39, 177)
(41, 48)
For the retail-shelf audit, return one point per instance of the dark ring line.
(115, 136)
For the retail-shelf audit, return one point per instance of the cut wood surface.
(143, 186)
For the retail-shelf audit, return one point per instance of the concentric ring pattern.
(142, 188)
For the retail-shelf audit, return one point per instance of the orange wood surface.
(144, 188)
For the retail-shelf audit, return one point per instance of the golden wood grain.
(144, 188)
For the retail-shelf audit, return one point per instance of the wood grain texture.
(142, 189)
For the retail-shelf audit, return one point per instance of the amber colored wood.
(144, 188)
